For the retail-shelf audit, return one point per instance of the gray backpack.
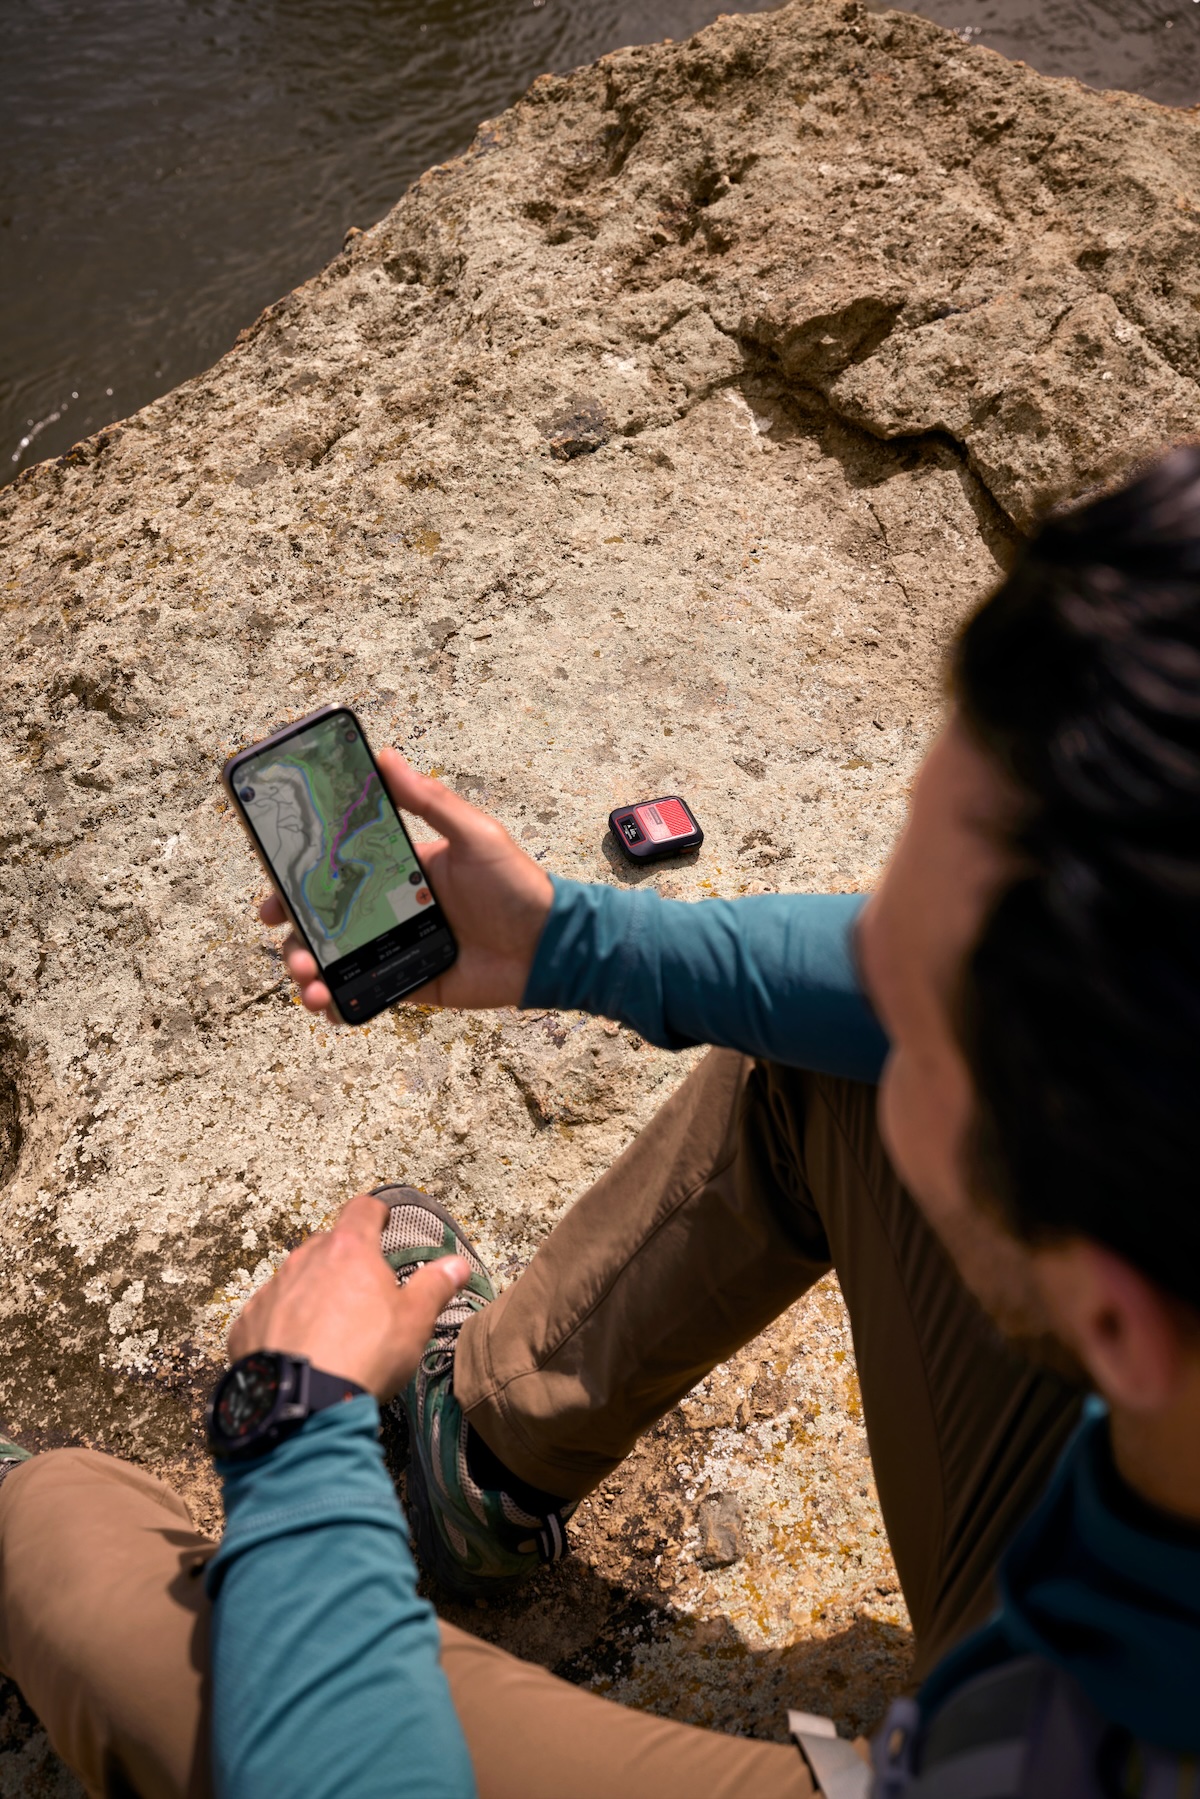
(1023, 1730)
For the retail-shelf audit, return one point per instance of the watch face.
(248, 1394)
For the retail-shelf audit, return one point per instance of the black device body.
(323, 824)
(266, 1396)
(652, 829)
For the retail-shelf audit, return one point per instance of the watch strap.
(325, 1390)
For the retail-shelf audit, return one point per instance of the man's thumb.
(439, 806)
(432, 1287)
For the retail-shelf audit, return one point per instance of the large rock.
(660, 442)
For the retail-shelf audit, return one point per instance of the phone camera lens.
(247, 793)
(415, 878)
(350, 736)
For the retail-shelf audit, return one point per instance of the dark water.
(170, 166)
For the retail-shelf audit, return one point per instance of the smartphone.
(655, 828)
(323, 824)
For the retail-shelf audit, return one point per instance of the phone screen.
(339, 853)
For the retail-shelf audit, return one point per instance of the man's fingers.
(363, 1216)
(304, 971)
(300, 963)
(418, 793)
(238, 1335)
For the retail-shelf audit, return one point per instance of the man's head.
(1034, 949)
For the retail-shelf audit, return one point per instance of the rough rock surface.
(657, 443)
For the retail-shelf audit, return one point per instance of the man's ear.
(1122, 1327)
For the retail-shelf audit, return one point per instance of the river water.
(171, 166)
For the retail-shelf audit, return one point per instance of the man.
(1030, 1157)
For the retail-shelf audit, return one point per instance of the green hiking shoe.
(474, 1540)
(11, 1456)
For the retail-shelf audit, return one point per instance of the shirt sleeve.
(772, 975)
(326, 1679)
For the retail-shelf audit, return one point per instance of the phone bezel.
(228, 772)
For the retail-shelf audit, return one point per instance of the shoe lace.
(438, 1356)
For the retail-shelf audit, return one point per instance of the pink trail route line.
(347, 815)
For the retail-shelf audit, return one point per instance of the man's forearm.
(325, 1662)
(772, 976)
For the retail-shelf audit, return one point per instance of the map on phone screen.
(333, 837)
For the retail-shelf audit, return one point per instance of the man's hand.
(335, 1300)
(494, 895)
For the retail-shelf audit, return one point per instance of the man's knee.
(63, 1478)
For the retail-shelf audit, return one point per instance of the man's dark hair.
(1081, 677)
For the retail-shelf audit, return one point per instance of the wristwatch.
(265, 1397)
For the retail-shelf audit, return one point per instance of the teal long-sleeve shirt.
(325, 1672)
(773, 976)
(325, 1663)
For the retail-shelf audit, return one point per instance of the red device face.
(663, 820)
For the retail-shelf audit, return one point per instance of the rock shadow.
(28, 1765)
(867, 461)
(633, 1645)
(638, 874)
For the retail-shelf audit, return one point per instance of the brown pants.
(749, 1184)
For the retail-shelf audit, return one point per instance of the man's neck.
(1158, 1454)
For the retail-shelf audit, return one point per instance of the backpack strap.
(1024, 1730)
(1156, 1774)
(1019, 1731)
(894, 1748)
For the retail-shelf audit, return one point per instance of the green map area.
(333, 837)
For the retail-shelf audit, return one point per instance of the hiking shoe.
(11, 1456)
(474, 1540)
(418, 1230)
